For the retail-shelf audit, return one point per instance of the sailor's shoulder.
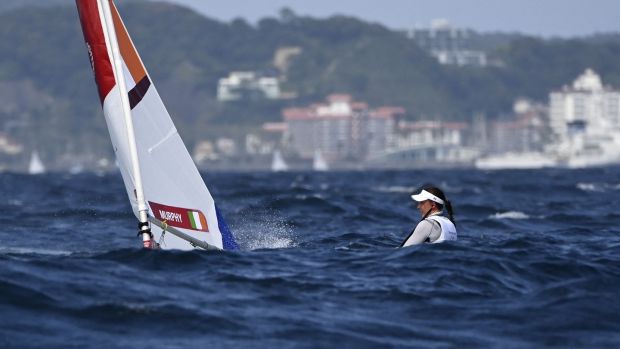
(430, 222)
(434, 218)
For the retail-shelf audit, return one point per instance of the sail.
(175, 193)
(36, 165)
(278, 164)
(318, 162)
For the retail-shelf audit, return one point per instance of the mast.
(143, 226)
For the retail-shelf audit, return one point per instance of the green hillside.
(46, 80)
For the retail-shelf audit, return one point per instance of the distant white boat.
(278, 164)
(35, 166)
(319, 163)
(583, 151)
(531, 160)
(590, 151)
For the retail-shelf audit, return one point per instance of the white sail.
(36, 165)
(318, 162)
(278, 164)
(174, 192)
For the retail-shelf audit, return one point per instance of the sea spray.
(261, 228)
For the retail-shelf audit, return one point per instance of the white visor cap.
(424, 195)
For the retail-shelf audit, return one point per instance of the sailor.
(434, 227)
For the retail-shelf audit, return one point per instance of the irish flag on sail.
(198, 221)
(170, 183)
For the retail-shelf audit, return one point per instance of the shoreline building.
(427, 144)
(342, 130)
(449, 45)
(244, 85)
(585, 122)
(526, 131)
(585, 105)
(9, 152)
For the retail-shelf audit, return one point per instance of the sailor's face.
(424, 206)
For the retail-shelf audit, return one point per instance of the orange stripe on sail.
(128, 51)
(203, 221)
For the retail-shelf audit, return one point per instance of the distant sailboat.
(35, 166)
(168, 196)
(278, 164)
(318, 162)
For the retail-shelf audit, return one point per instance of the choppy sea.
(537, 264)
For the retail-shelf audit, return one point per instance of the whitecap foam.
(394, 189)
(267, 241)
(263, 230)
(312, 196)
(38, 251)
(410, 190)
(597, 187)
(509, 215)
(14, 202)
(592, 187)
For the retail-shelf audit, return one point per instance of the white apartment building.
(527, 129)
(449, 45)
(585, 106)
(432, 141)
(247, 85)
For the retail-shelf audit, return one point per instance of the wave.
(408, 190)
(510, 215)
(319, 261)
(592, 187)
(394, 189)
(33, 251)
(24, 296)
(597, 187)
(16, 202)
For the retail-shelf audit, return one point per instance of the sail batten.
(172, 132)
(172, 186)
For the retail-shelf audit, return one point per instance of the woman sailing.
(434, 227)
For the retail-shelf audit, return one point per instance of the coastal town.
(577, 126)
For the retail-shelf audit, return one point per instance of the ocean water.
(537, 264)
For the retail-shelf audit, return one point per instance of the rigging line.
(163, 233)
(423, 218)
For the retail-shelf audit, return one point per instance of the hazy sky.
(537, 17)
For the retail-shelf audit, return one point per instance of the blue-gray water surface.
(537, 264)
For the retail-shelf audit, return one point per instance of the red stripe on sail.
(176, 216)
(96, 46)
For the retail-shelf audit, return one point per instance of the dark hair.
(438, 193)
